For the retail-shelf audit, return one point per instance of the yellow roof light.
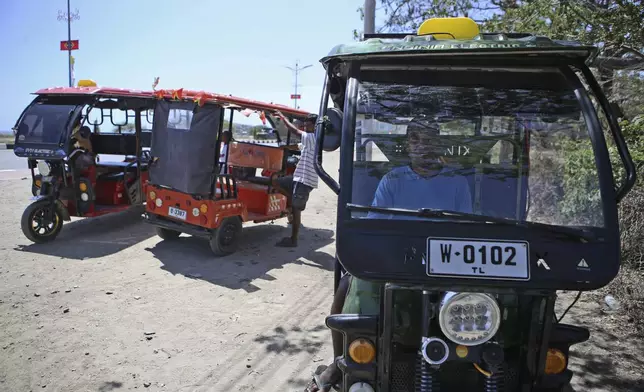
(451, 28)
(86, 83)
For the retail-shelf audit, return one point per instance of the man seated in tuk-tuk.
(425, 183)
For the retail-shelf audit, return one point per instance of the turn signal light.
(203, 208)
(555, 361)
(83, 187)
(153, 195)
(362, 351)
(38, 183)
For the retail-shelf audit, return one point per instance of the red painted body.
(109, 195)
(253, 203)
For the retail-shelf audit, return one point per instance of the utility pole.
(297, 70)
(369, 17)
(68, 16)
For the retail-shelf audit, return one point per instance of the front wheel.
(41, 221)
(167, 234)
(225, 239)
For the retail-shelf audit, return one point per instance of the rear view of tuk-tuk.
(475, 182)
(195, 190)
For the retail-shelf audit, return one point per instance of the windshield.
(498, 152)
(44, 123)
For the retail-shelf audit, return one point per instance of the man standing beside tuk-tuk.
(304, 179)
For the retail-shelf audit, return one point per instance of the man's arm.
(289, 125)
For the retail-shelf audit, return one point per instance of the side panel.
(184, 137)
(253, 155)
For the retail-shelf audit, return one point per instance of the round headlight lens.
(195, 211)
(158, 202)
(44, 168)
(469, 319)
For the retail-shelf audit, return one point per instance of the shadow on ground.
(295, 340)
(611, 360)
(192, 257)
(88, 238)
(110, 386)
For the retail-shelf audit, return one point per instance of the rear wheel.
(226, 237)
(167, 234)
(41, 221)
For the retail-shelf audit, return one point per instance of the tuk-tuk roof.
(186, 95)
(465, 40)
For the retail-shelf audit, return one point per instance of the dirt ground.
(110, 307)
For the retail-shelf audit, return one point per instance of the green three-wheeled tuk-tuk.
(476, 180)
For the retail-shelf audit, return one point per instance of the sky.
(227, 47)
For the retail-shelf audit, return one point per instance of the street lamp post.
(297, 70)
(68, 16)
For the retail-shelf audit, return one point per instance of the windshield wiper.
(571, 233)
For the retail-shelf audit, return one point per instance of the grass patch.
(7, 139)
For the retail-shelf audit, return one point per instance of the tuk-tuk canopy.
(199, 97)
(450, 36)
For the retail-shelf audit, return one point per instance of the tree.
(616, 25)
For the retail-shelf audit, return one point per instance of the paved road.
(8, 161)
(12, 167)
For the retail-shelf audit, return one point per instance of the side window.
(111, 121)
(250, 126)
(147, 119)
(619, 175)
(180, 119)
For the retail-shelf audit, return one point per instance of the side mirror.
(332, 129)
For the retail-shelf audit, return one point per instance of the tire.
(44, 230)
(225, 239)
(167, 234)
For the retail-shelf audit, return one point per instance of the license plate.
(480, 259)
(177, 213)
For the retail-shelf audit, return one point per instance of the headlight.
(84, 196)
(469, 318)
(195, 211)
(361, 387)
(44, 168)
(158, 202)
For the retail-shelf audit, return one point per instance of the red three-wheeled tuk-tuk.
(64, 133)
(191, 190)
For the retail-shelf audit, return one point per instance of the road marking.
(8, 170)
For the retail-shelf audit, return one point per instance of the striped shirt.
(305, 170)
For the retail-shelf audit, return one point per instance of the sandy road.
(74, 313)
(110, 307)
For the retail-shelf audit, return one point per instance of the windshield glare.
(44, 123)
(508, 153)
